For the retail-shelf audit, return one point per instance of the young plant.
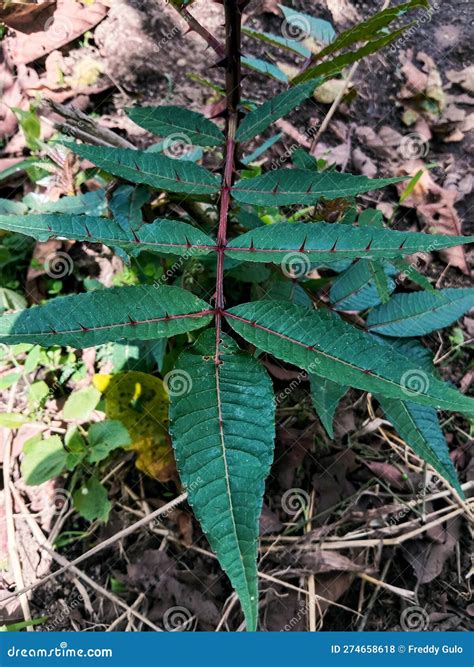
(222, 420)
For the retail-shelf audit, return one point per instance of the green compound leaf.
(321, 342)
(184, 125)
(153, 169)
(223, 431)
(143, 312)
(419, 313)
(325, 395)
(299, 186)
(419, 426)
(320, 241)
(165, 236)
(255, 122)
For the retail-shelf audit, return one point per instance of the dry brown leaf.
(70, 20)
(342, 11)
(465, 78)
(363, 164)
(435, 208)
(26, 16)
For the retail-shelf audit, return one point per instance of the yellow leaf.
(140, 402)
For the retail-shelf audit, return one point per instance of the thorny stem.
(233, 19)
(195, 26)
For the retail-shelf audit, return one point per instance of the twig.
(13, 556)
(45, 544)
(103, 545)
(79, 125)
(333, 108)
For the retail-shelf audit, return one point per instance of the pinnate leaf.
(263, 116)
(419, 426)
(164, 236)
(223, 430)
(320, 241)
(319, 341)
(354, 289)
(370, 29)
(143, 312)
(419, 313)
(190, 126)
(153, 169)
(299, 186)
(325, 395)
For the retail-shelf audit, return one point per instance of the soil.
(168, 564)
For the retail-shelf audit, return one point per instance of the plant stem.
(195, 26)
(233, 19)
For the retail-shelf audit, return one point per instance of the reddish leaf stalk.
(233, 19)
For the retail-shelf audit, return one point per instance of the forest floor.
(356, 520)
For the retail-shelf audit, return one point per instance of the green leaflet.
(419, 313)
(187, 126)
(167, 236)
(263, 116)
(126, 204)
(418, 425)
(298, 186)
(355, 289)
(320, 241)
(320, 30)
(223, 431)
(331, 67)
(83, 320)
(325, 395)
(369, 29)
(292, 45)
(153, 169)
(264, 67)
(321, 342)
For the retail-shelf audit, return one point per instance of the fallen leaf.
(363, 164)
(26, 16)
(327, 92)
(435, 208)
(140, 402)
(465, 78)
(70, 20)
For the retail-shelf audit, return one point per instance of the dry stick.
(13, 556)
(103, 545)
(311, 581)
(373, 597)
(44, 543)
(81, 126)
(126, 613)
(333, 108)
